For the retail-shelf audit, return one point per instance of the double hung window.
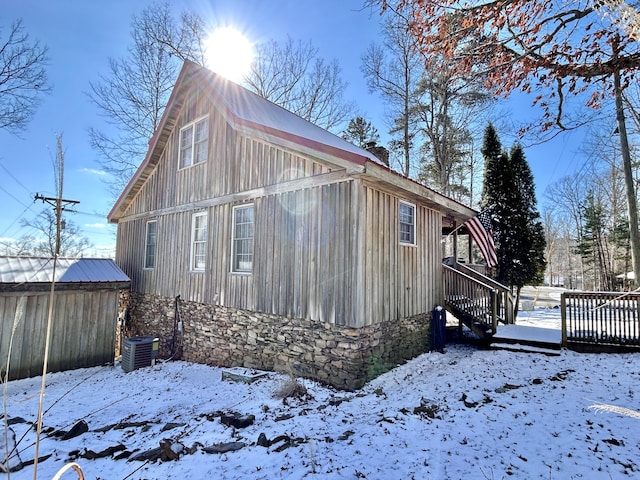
(407, 215)
(242, 241)
(194, 143)
(151, 243)
(198, 241)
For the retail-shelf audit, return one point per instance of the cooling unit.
(138, 352)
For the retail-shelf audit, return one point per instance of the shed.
(84, 313)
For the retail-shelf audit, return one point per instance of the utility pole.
(632, 203)
(58, 204)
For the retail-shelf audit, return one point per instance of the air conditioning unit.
(138, 352)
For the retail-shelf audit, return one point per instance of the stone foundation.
(344, 357)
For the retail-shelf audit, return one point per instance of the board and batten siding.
(82, 335)
(303, 263)
(399, 280)
(326, 244)
(236, 163)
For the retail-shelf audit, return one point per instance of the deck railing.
(606, 318)
(505, 300)
(469, 296)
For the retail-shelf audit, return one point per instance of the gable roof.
(32, 270)
(249, 113)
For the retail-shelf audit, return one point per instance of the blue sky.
(81, 35)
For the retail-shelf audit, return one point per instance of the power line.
(18, 218)
(12, 196)
(97, 215)
(16, 180)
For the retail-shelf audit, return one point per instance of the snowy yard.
(462, 414)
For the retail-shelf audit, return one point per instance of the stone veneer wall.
(344, 357)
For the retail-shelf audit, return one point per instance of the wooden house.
(255, 238)
(84, 313)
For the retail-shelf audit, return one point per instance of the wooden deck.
(529, 339)
(591, 321)
(601, 321)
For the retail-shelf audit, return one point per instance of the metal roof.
(68, 270)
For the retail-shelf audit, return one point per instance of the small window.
(199, 241)
(150, 244)
(407, 223)
(194, 143)
(242, 256)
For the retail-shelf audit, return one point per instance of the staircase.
(479, 302)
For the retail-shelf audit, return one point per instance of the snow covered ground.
(464, 414)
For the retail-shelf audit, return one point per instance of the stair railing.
(506, 301)
(470, 296)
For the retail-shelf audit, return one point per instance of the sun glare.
(229, 53)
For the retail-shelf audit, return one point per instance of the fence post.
(563, 316)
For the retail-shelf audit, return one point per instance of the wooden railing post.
(494, 310)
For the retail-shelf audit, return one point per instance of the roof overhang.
(391, 180)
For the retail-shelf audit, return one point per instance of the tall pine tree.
(529, 261)
(509, 192)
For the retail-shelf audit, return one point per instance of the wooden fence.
(606, 319)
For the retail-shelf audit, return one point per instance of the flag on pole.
(479, 228)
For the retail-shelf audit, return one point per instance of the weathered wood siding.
(399, 280)
(303, 256)
(236, 163)
(326, 246)
(82, 335)
(304, 264)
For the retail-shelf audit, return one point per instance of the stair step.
(517, 347)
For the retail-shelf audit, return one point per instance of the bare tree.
(23, 78)
(293, 76)
(43, 242)
(133, 94)
(393, 70)
(450, 110)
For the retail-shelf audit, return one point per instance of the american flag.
(479, 228)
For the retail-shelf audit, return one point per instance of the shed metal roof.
(16, 270)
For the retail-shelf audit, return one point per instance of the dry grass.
(292, 388)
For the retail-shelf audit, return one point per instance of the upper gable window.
(194, 142)
(407, 223)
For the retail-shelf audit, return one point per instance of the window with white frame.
(198, 241)
(194, 143)
(242, 241)
(150, 244)
(407, 216)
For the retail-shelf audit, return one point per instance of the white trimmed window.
(242, 239)
(407, 215)
(194, 143)
(150, 244)
(198, 241)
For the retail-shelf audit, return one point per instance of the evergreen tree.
(528, 261)
(593, 245)
(493, 168)
(509, 193)
(360, 132)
